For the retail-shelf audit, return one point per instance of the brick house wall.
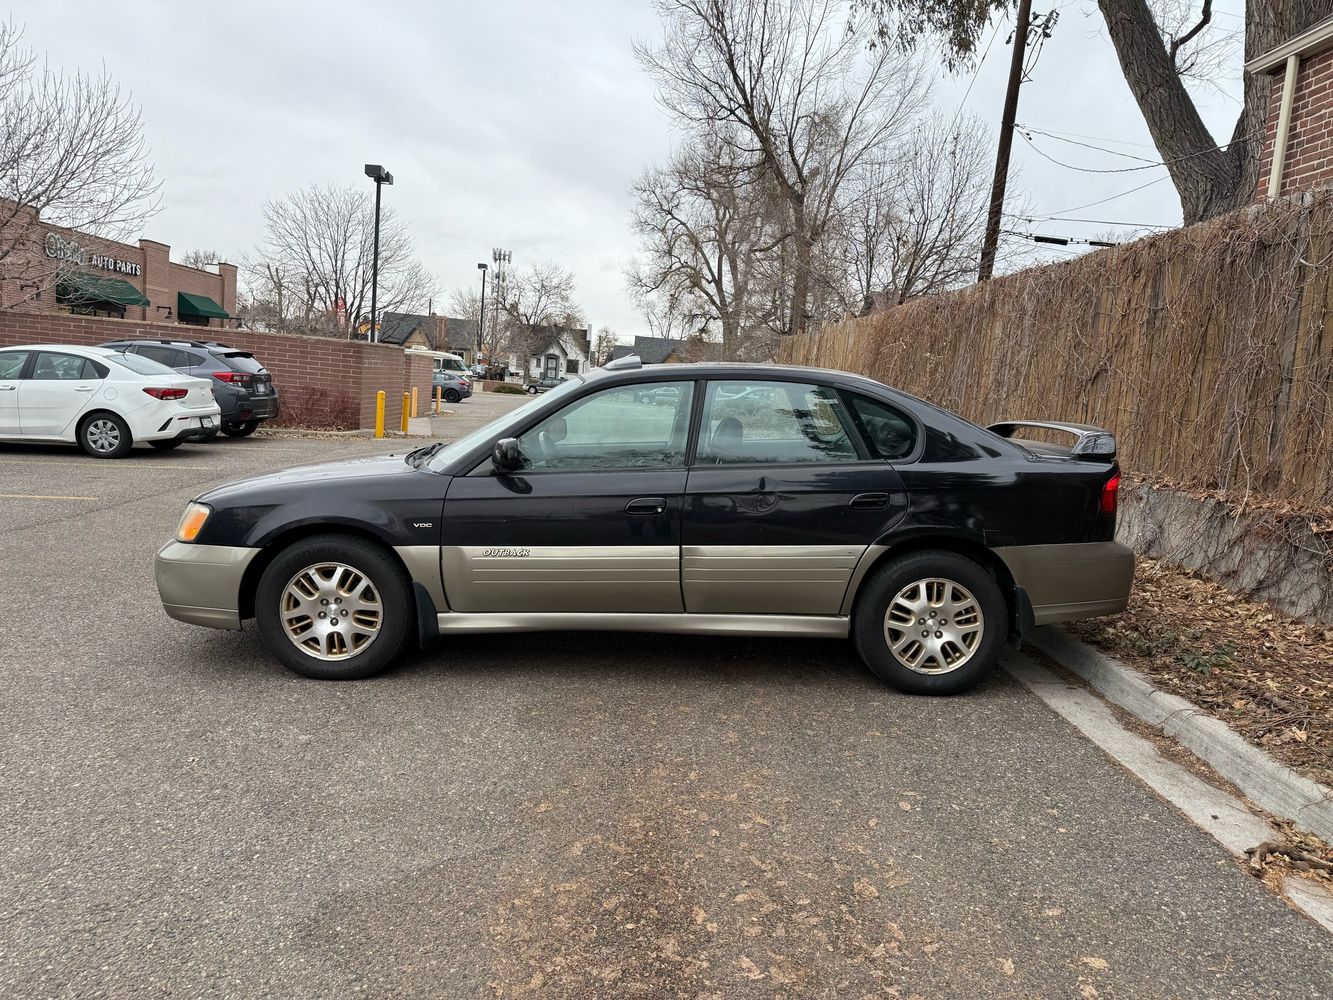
(1308, 160)
(308, 371)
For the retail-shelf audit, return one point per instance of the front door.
(59, 388)
(781, 502)
(590, 524)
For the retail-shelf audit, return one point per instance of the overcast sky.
(517, 123)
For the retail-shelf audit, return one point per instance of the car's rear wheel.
(240, 430)
(105, 435)
(931, 622)
(334, 607)
(167, 445)
(531, 390)
(451, 395)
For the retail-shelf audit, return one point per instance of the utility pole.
(992, 240)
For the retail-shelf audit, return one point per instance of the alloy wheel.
(103, 435)
(331, 611)
(934, 626)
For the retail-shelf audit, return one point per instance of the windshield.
(466, 443)
(141, 365)
(452, 365)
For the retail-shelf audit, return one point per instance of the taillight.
(1111, 494)
(233, 378)
(157, 393)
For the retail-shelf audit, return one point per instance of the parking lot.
(550, 815)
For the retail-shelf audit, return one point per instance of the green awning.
(82, 287)
(199, 305)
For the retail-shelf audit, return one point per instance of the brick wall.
(1309, 161)
(303, 368)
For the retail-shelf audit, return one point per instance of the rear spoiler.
(1095, 443)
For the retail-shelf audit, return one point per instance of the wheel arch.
(275, 544)
(877, 556)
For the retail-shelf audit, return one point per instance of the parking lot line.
(39, 496)
(130, 466)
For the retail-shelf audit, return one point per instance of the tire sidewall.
(873, 602)
(384, 572)
(452, 397)
(126, 438)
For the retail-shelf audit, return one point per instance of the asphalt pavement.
(551, 815)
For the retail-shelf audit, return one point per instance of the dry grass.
(1267, 676)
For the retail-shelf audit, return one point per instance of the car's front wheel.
(931, 622)
(531, 390)
(105, 435)
(452, 396)
(335, 607)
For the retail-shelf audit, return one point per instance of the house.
(1298, 140)
(556, 351)
(652, 350)
(433, 332)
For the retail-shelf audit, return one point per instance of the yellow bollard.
(414, 402)
(439, 398)
(379, 414)
(407, 402)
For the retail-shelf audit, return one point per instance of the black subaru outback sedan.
(725, 499)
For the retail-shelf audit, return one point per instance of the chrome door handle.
(646, 505)
(84, 388)
(8, 388)
(869, 501)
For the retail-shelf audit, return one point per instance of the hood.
(374, 467)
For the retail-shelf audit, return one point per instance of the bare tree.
(606, 343)
(703, 224)
(540, 297)
(913, 224)
(793, 94)
(320, 241)
(72, 153)
(1158, 49)
(200, 259)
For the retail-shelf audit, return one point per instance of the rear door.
(12, 364)
(590, 524)
(783, 497)
(59, 388)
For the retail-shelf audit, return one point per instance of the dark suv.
(243, 387)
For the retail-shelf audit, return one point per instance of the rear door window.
(757, 422)
(167, 356)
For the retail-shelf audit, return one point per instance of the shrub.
(508, 387)
(312, 408)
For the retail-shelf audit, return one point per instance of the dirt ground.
(1267, 676)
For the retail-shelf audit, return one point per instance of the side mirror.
(506, 456)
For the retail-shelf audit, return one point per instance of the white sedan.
(100, 399)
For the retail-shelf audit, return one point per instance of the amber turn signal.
(193, 522)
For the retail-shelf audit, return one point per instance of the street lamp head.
(378, 174)
(481, 267)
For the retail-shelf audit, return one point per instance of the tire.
(452, 396)
(341, 657)
(167, 445)
(934, 581)
(240, 430)
(105, 435)
(531, 390)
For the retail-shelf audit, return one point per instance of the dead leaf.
(1007, 966)
(864, 889)
(905, 806)
(1100, 964)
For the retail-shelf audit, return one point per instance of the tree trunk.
(1208, 180)
(800, 281)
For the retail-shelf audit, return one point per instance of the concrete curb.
(1274, 786)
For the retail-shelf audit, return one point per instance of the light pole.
(481, 312)
(381, 177)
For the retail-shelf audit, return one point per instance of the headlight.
(193, 522)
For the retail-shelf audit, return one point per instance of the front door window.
(620, 428)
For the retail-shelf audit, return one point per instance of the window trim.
(853, 432)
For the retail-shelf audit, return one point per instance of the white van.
(444, 361)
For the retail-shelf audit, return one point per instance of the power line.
(1062, 241)
(975, 73)
(1085, 145)
(1103, 201)
(1121, 170)
(1098, 138)
(1094, 222)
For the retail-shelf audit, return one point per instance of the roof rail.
(628, 362)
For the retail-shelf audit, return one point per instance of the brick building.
(1298, 143)
(53, 269)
